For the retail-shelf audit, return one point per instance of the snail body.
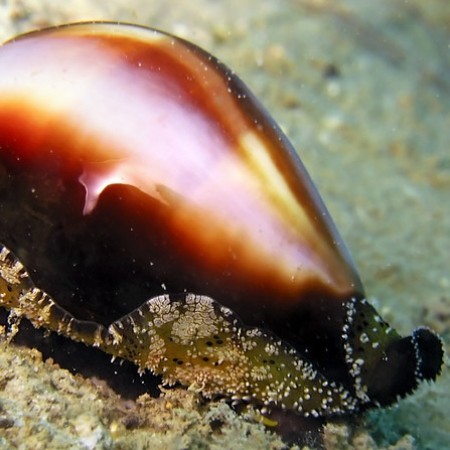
(151, 207)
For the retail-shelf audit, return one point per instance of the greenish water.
(362, 88)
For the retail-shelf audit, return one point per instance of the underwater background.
(362, 89)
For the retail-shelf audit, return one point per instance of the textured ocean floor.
(362, 89)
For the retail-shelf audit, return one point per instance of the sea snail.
(151, 207)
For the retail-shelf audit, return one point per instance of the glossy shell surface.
(136, 169)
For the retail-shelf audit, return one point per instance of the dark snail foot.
(408, 361)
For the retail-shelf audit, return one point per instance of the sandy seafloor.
(362, 88)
